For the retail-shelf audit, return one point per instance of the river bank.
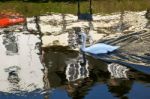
(29, 9)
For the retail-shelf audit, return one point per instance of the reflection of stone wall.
(117, 71)
(10, 42)
(55, 23)
(102, 25)
(16, 71)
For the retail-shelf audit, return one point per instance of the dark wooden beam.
(91, 7)
(78, 7)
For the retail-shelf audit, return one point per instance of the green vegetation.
(99, 6)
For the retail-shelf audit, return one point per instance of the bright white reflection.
(117, 71)
(77, 68)
(20, 66)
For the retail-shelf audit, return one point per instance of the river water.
(28, 71)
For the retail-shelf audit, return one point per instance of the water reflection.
(10, 42)
(19, 63)
(77, 68)
(119, 88)
(117, 71)
(57, 72)
(119, 84)
(79, 75)
(67, 69)
(57, 62)
(13, 78)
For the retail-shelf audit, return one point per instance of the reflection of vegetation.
(55, 61)
(119, 87)
(99, 6)
(80, 88)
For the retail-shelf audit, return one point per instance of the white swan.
(99, 48)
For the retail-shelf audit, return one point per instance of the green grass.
(99, 6)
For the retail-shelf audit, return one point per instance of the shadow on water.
(30, 72)
(133, 52)
(92, 78)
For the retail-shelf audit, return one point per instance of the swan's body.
(99, 48)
